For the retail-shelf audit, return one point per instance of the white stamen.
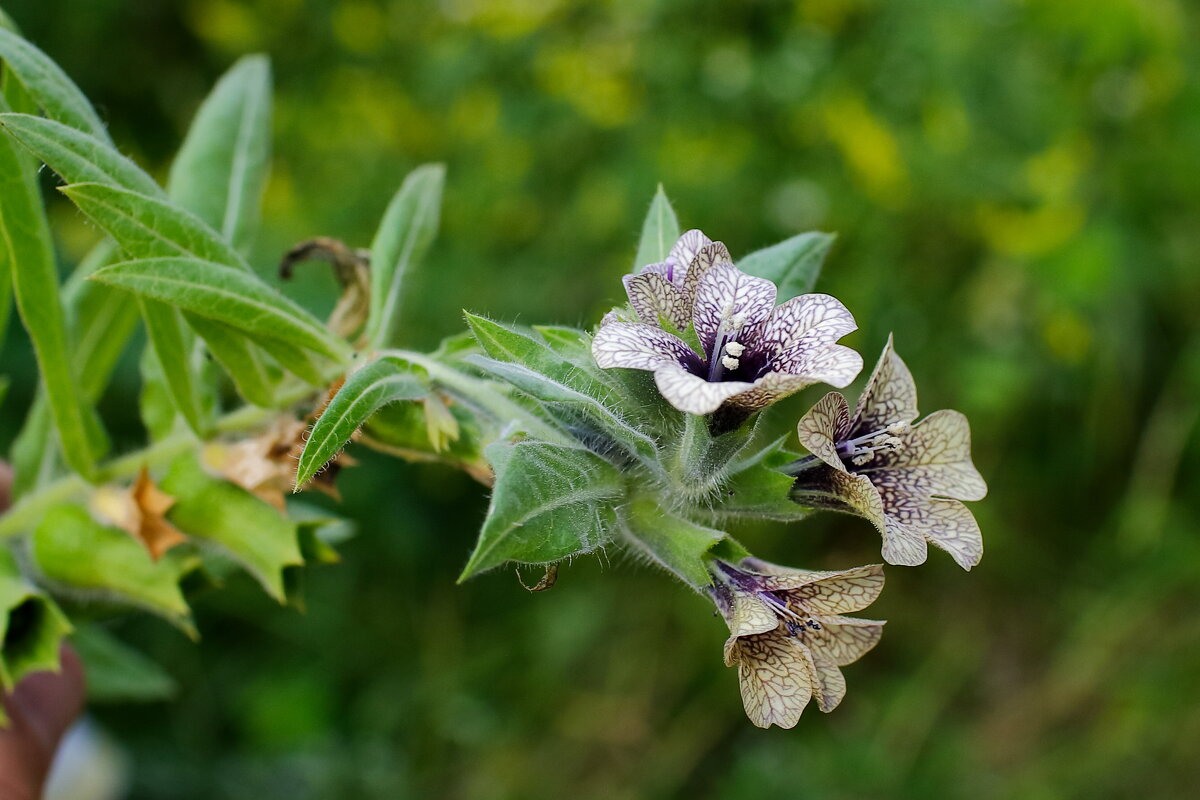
(730, 363)
(735, 349)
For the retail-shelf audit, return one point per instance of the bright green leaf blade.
(149, 227)
(387, 380)
(239, 357)
(31, 626)
(25, 238)
(236, 298)
(221, 169)
(76, 156)
(676, 544)
(49, 86)
(83, 558)
(660, 230)
(117, 673)
(239, 524)
(759, 492)
(173, 343)
(793, 265)
(301, 363)
(408, 228)
(549, 502)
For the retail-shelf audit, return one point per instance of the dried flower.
(907, 479)
(788, 636)
(751, 352)
(141, 511)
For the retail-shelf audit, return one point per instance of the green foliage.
(116, 672)
(31, 626)
(48, 85)
(659, 231)
(549, 502)
(404, 236)
(793, 265)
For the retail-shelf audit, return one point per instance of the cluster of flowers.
(718, 344)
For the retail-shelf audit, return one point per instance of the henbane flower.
(907, 479)
(751, 352)
(787, 635)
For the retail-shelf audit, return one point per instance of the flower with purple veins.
(751, 352)
(787, 634)
(905, 478)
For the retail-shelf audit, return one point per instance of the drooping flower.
(787, 635)
(905, 478)
(751, 352)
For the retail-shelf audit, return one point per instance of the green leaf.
(31, 626)
(793, 265)
(300, 363)
(404, 236)
(759, 491)
(384, 381)
(585, 417)
(149, 227)
(49, 86)
(82, 557)
(659, 231)
(549, 502)
(239, 524)
(117, 673)
(674, 543)
(25, 239)
(76, 156)
(236, 298)
(239, 357)
(221, 169)
(155, 405)
(173, 347)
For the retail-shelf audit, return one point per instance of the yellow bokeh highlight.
(1067, 335)
(690, 157)
(502, 19)
(946, 125)
(359, 26)
(592, 79)
(231, 27)
(869, 148)
(1054, 174)
(1029, 232)
(475, 114)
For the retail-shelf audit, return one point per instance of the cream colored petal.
(843, 640)
(902, 545)
(653, 296)
(776, 675)
(729, 299)
(934, 458)
(836, 490)
(750, 615)
(635, 345)
(706, 258)
(803, 327)
(691, 393)
(945, 523)
(839, 592)
(889, 397)
(824, 426)
(830, 684)
(687, 247)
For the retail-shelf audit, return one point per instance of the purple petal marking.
(693, 394)
(636, 345)
(934, 458)
(826, 424)
(653, 296)
(728, 301)
(802, 326)
(890, 396)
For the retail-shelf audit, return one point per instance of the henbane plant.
(644, 434)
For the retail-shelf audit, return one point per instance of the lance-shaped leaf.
(404, 236)
(222, 166)
(585, 417)
(25, 240)
(77, 156)
(678, 545)
(117, 673)
(251, 373)
(504, 343)
(79, 556)
(301, 363)
(550, 501)
(660, 230)
(235, 298)
(237, 523)
(31, 626)
(173, 345)
(48, 85)
(793, 265)
(148, 227)
(384, 381)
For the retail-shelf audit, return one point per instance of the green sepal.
(678, 545)
(31, 626)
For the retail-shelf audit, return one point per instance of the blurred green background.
(1016, 186)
